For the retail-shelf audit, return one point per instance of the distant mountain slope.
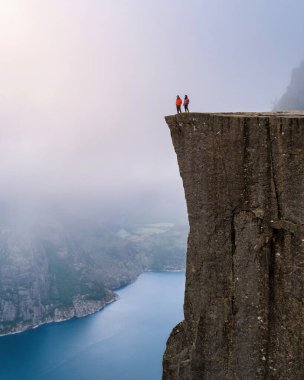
(66, 271)
(293, 98)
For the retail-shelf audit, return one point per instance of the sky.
(85, 86)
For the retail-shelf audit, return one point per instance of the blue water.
(125, 341)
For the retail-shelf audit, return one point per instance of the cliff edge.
(243, 176)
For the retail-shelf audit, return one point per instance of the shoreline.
(167, 271)
(54, 320)
(104, 305)
(149, 271)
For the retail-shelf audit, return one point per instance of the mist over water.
(85, 86)
(90, 192)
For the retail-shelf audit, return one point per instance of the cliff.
(243, 176)
(60, 272)
(293, 98)
(45, 281)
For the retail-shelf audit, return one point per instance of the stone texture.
(243, 176)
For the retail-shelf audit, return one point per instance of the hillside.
(61, 271)
(293, 98)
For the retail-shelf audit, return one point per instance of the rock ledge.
(243, 175)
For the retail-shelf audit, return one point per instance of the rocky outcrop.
(243, 176)
(39, 285)
(60, 272)
(51, 313)
(293, 98)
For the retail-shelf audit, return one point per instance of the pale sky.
(85, 84)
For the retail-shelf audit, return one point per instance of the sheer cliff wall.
(243, 176)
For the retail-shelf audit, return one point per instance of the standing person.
(186, 103)
(179, 103)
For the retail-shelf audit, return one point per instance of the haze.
(85, 85)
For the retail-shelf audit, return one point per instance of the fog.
(85, 85)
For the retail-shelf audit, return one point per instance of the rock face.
(39, 283)
(293, 98)
(243, 176)
(59, 271)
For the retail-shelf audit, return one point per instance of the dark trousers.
(178, 108)
(186, 108)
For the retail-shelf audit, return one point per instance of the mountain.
(59, 271)
(293, 98)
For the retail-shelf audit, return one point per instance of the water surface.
(125, 341)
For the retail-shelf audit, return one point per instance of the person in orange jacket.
(186, 103)
(179, 103)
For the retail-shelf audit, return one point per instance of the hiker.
(186, 103)
(179, 103)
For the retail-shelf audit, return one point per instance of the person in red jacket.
(186, 103)
(179, 103)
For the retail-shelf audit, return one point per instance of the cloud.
(85, 86)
